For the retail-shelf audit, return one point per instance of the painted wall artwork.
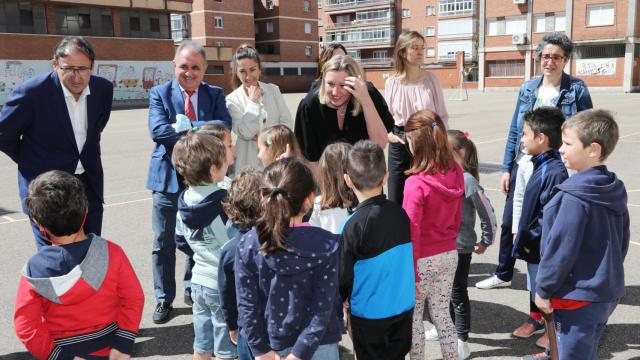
(131, 79)
(595, 67)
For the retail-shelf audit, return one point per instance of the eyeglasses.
(79, 70)
(554, 57)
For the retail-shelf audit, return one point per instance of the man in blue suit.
(54, 121)
(203, 104)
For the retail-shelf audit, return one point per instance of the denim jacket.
(574, 97)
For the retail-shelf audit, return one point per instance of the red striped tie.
(188, 106)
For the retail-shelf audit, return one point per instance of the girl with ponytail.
(286, 273)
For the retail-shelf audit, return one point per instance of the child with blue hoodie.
(542, 137)
(287, 273)
(200, 158)
(585, 238)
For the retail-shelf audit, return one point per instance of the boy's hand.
(480, 248)
(543, 304)
(504, 182)
(271, 355)
(117, 355)
(526, 250)
(233, 334)
(292, 357)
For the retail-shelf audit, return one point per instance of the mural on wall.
(595, 67)
(131, 79)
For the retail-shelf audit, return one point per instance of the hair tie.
(268, 140)
(194, 129)
(277, 190)
(434, 124)
(466, 134)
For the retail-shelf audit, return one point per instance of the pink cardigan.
(434, 205)
(405, 99)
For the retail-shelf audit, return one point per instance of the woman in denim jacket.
(553, 88)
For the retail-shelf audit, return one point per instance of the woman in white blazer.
(253, 105)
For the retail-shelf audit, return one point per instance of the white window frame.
(307, 6)
(503, 22)
(380, 54)
(431, 10)
(406, 13)
(218, 22)
(600, 8)
(431, 52)
(308, 50)
(307, 28)
(430, 31)
(541, 26)
(269, 27)
(456, 7)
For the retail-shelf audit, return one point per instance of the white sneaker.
(492, 283)
(463, 350)
(432, 334)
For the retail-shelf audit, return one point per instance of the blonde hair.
(275, 138)
(342, 63)
(334, 190)
(405, 40)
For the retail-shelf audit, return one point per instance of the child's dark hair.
(460, 141)
(56, 201)
(243, 201)
(335, 192)
(427, 137)
(287, 183)
(595, 126)
(276, 138)
(546, 120)
(195, 153)
(365, 165)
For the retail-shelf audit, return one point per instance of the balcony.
(358, 23)
(374, 62)
(333, 6)
(369, 43)
(451, 58)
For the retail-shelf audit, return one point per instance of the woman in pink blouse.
(409, 90)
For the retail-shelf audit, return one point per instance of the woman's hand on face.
(255, 93)
(356, 87)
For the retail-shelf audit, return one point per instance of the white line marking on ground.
(126, 202)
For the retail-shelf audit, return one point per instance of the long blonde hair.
(342, 63)
(405, 40)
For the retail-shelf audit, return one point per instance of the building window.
(269, 27)
(217, 1)
(431, 52)
(406, 13)
(271, 49)
(307, 28)
(307, 6)
(134, 23)
(215, 69)
(320, 22)
(374, 15)
(83, 21)
(22, 17)
(505, 68)
(290, 71)
(431, 11)
(144, 24)
(364, 36)
(456, 7)
(549, 22)
(308, 71)
(430, 31)
(271, 71)
(269, 4)
(308, 50)
(343, 19)
(600, 14)
(380, 54)
(154, 24)
(220, 43)
(600, 51)
(219, 24)
(509, 25)
(178, 27)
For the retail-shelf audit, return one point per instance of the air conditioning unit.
(518, 39)
(519, 2)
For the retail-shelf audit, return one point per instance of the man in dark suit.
(54, 121)
(203, 104)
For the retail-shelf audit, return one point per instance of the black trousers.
(382, 339)
(460, 307)
(504, 271)
(398, 161)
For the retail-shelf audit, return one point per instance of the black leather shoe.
(162, 313)
(187, 297)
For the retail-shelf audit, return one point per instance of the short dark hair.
(326, 54)
(596, 126)
(365, 165)
(243, 201)
(56, 201)
(546, 120)
(78, 43)
(195, 153)
(559, 39)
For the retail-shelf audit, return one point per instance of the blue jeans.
(210, 329)
(244, 353)
(324, 352)
(506, 262)
(163, 255)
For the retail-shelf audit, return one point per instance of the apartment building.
(284, 32)
(132, 39)
(605, 33)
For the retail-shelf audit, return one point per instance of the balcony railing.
(370, 62)
(444, 14)
(452, 57)
(356, 23)
(356, 42)
(332, 5)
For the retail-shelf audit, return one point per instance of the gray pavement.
(495, 313)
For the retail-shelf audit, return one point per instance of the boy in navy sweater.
(585, 237)
(376, 272)
(542, 137)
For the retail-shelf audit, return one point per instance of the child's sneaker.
(431, 335)
(463, 350)
(492, 283)
(543, 342)
(529, 328)
(539, 356)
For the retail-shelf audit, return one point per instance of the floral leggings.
(436, 280)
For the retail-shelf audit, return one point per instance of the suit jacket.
(165, 102)
(36, 130)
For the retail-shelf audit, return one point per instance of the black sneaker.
(187, 297)
(162, 313)
(539, 356)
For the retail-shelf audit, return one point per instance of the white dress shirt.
(78, 115)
